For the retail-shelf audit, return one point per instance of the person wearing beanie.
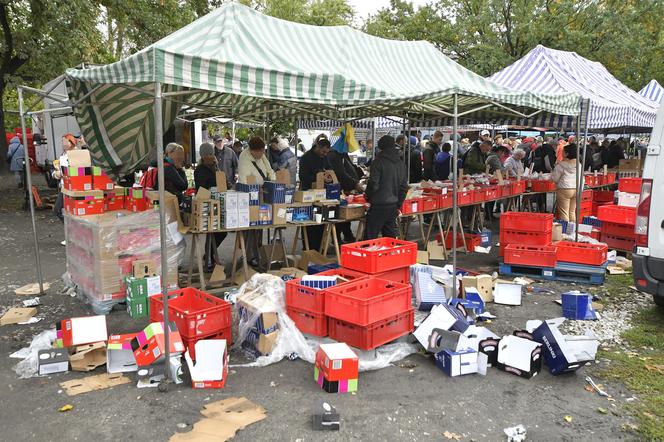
(227, 159)
(205, 175)
(386, 190)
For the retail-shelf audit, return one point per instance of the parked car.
(648, 257)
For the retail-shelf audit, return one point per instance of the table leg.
(191, 259)
(463, 237)
(234, 262)
(440, 226)
(335, 240)
(305, 237)
(199, 262)
(325, 243)
(359, 234)
(295, 239)
(420, 220)
(283, 247)
(243, 249)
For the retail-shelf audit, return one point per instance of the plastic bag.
(29, 366)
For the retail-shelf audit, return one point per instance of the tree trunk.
(4, 167)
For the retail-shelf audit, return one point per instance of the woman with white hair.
(175, 179)
(514, 164)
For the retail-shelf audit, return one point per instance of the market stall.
(653, 91)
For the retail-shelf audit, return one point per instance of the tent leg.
(28, 185)
(455, 205)
(159, 143)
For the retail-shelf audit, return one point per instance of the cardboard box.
(143, 267)
(243, 201)
(337, 361)
(328, 210)
(325, 177)
(352, 211)
(341, 386)
(319, 194)
(17, 314)
(243, 218)
(557, 232)
(80, 331)
(457, 363)
(79, 158)
(148, 345)
(288, 273)
(254, 215)
(263, 314)
(143, 287)
(211, 367)
(483, 284)
(313, 257)
(520, 356)
(564, 353)
(304, 196)
(507, 294)
(254, 191)
(260, 344)
(274, 193)
(442, 317)
(119, 354)
(53, 360)
(333, 191)
(631, 164)
(279, 212)
(628, 199)
(221, 181)
(88, 357)
(153, 374)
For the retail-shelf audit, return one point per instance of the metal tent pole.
(455, 205)
(374, 142)
(159, 143)
(407, 150)
(28, 185)
(579, 187)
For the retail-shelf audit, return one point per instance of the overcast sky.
(365, 7)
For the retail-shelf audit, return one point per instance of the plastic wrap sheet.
(101, 250)
(265, 293)
(29, 366)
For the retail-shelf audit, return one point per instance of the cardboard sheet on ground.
(291, 341)
(222, 420)
(92, 383)
(31, 289)
(88, 357)
(16, 315)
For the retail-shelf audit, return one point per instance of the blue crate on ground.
(546, 273)
(567, 271)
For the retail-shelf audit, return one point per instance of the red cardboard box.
(77, 183)
(80, 331)
(148, 345)
(81, 203)
(210, 369)
(337, 361)
(101, 181)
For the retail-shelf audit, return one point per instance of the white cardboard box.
(211, 366)
(507, 294)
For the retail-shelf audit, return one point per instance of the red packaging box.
(337, 362)
(148, 345)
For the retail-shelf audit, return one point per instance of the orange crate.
(581, 253)
(308, 322)
(373, 335)
(312, 299)
(537, 256)
(378, 255)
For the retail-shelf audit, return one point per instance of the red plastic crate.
(378, 255)
(479, 195)
(445, 200)
(491, 193)
(367, 300)
(592, 180)
(401, 275)
(472, 240)
(597, 205)
(518, 187)
(618, 242)
(537, 256)
(525, 238)
(611, 177)
(465, 197)
(617, 214)
(505, 189)
(195, 312)
(190, 343)
(311, 299)
(374, 335)
(526, 221)
(542, 186)
(630, 185)
(310, 323)
(429, 203)
(603, 196)
(587, 195)
(411, 206)
(623, 230)
(581, 253)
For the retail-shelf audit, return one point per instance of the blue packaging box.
(274, 193)
(485, 238)
(578, 306)
(564, 354)
(312, 269)
(333, 191)
(457, 363)
(253, 190)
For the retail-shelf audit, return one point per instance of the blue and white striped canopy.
(653, 91)
(610, 103)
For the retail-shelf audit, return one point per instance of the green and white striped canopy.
(238, 63)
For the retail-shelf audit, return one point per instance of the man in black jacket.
(349, 177)
(312, 162)
(386, 190)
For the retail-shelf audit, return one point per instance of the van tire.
(659, 300)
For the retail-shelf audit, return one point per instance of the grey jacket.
(15, 155)
(227, 162)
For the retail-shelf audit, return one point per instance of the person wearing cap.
(429, 156)
(205, 176)
(386, 190)
(281, 157)
(474, 161)
(227, 159)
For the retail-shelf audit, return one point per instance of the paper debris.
(602, 410)
(522, 280)
(92, 383)
(65, 408)
(452, 436)
(32, 320)
(222, 420)
(16, 315)
(32, 302)
(515, 434)
(568, 418)
(31, 289)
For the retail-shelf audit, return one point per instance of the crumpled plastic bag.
(266, 293)
(29, 366)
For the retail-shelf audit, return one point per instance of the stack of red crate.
(601, 198)
(586, 203)
(306, 305)
(197, 314)
(525, 229)
(618, 221)
(370, 311)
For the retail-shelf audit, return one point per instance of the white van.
(648, 259)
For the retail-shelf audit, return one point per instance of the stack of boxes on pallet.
(197, 315)
(365, 303)
(527, 247)
(619, 220)
(143, 283)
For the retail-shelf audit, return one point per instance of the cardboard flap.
(209, 365)
(221, 181)
(91, 383)
(88, 357)
(283, 176)
(203, 194)
(15, 315)
(79, 158)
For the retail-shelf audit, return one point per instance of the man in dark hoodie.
(429, 156)
(386, 190)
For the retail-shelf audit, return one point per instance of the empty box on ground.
(444, 317)
(79, 331)
(336, 369)
(53, 360)
(564, 353)
(119, 354)
(519, 356)
(149, 346)
(211, 367)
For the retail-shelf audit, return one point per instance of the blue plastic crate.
(578, 306)
(312, 269)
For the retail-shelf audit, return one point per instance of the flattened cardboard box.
(88, 357)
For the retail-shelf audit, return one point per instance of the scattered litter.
(515, 434)
(615, 270)
(92, 383)
(507, 294)
(658, 368)
(181, 425)
(325, 416)
(522, 280)
(484, 316)
(88, 357)
(29, 365)
(602, 410)
(33, 320)
(31, 289)
(54, 360)
(273, 384)
(568, 418)
(222, 420)
(452, 436)
(66, 408)
(596, 387)
(32, 302)
(17, 315)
